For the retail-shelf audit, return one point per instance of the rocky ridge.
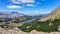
(53, 15)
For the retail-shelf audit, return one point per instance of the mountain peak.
(58, 6)
(53, 15)
(57, 10)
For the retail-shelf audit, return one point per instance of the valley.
(45, 23)
(49, 23)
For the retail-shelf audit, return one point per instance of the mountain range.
(17, 15)
(10, 14)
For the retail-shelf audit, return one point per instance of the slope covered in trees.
(46, 26)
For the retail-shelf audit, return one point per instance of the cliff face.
(53, 15)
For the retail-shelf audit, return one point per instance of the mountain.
(15, 16)
(36, 16)
(10, 14)
(18, 15)
(53, 15)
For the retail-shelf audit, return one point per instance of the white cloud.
(14, 6)
(26, 2)
(15, 1)
(22, 1)
(31, 5)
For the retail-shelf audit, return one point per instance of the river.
(28, 21)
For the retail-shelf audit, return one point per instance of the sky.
(29, 6)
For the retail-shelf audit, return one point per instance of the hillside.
(46, 26)
(55, 14)
(12, 31)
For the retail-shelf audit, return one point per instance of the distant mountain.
(17, 15)
(37, 16)
(10, 14)
(53, 15)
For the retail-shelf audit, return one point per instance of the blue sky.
(29, 6)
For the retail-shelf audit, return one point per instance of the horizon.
(29, 6)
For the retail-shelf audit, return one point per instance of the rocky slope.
(11, 31)
(53, 15)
